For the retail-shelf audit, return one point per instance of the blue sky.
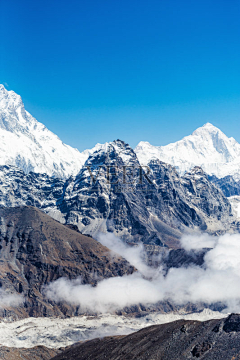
(94, 71)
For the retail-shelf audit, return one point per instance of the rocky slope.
(18, 188)
(35, 250)
(182, 340)
(154, 205)
(35, 353)
(228, 185)
(207, 147)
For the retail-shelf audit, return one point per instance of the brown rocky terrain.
(35, 353)
(178, 340)
(35, 250)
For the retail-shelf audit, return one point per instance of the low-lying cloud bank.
(218, 280)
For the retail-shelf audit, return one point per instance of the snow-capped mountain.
(207, 147)
(155, 213)
(29, 145)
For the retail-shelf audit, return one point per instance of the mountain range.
(29, 145)
(154, 205)
(55, 201)
(207, 147)
(155, 213)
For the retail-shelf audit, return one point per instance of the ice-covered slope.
(57, 332)
(28, 144)
(207, 147)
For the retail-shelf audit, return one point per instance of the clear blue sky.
(97, 70)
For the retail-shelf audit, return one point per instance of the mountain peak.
(208, 125)
(207, 147)
(207, 128)
(29, 145)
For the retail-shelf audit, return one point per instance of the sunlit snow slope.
(207, 147)
(28, 144)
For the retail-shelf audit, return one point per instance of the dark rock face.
(232, 324)
(117, 207)
(228, 185)
(153, 205)
(206, 197)
(209, 340)
(201, 349)
(180, 258)
(113, 193)
(35, 250)
(18, 188)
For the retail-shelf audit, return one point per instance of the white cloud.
(8, 299)
(198, 241)
(218, 280)
(135, 255)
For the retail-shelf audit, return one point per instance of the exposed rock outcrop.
(35, 250)
(182, 340)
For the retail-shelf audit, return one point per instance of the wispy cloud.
(9, 300)
(216, 281)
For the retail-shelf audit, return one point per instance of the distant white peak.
(233, 141)
(207, 147)
(207, 128)
(9, 97)
(145, 143)
(208, 125)
(118, 145)
(98, 147)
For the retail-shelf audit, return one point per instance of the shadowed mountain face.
(35, 250)
(228, 185)
(182, 340)
(156, 210)
(113, 193)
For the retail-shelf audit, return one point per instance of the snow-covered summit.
(207, 147)
(29, 145)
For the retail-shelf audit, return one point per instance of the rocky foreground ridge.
(36, 250)
(182, 340)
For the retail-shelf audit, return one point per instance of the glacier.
(57, 332)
